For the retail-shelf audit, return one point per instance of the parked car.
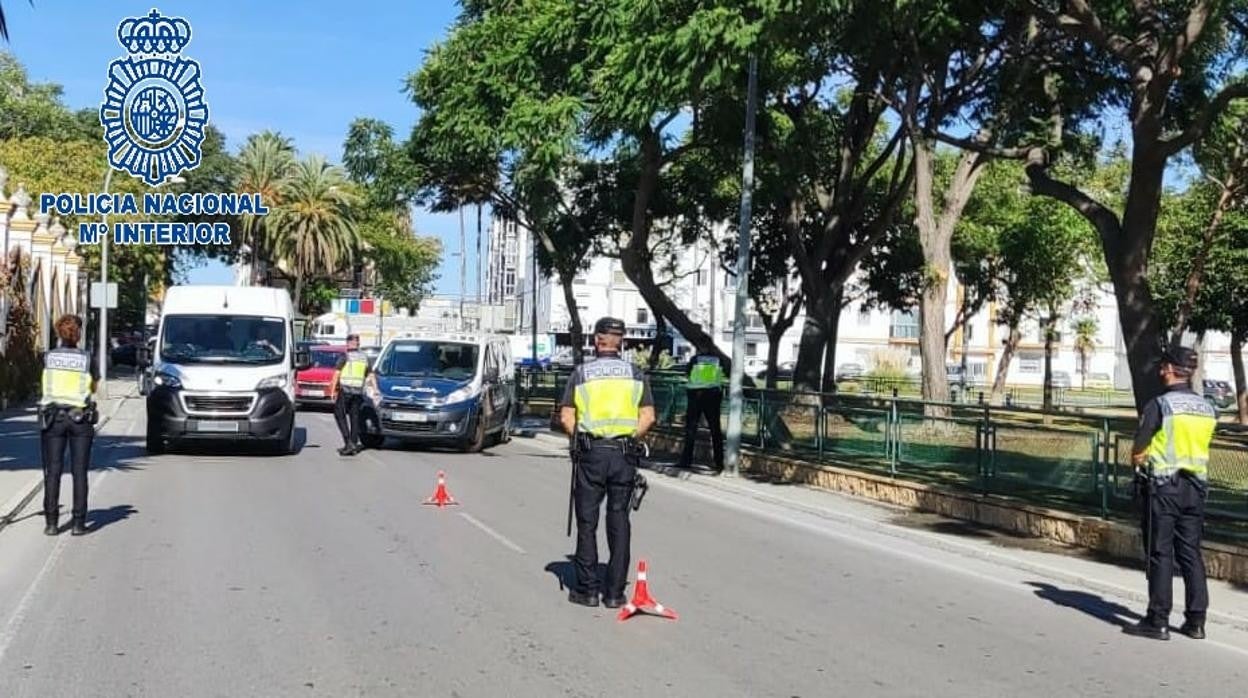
(1099, 381)
(784, 372)
(1220, 394)
(850, 372)
(318, 384)
(125, 355)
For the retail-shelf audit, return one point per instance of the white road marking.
(492, 533)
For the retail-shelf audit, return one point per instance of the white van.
(223, 368)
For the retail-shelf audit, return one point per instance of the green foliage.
(20, 367)
(406, 265)
(35, 109)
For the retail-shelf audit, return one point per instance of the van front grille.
(222, 404)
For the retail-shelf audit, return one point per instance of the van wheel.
(504, 432)
(477, 441)
(370, 432)
(155, 442)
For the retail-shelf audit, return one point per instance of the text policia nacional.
(154, 204)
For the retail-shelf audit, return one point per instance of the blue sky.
(306, 73)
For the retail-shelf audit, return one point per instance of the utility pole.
(533, 304)
(463, 268)
(102, 364)
(732, 450)
(479, 294)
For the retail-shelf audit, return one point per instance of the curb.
(934, 540)
(37, 486)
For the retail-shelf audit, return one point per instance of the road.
(313, 575)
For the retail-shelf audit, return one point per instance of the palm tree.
(4, 27)
(1085, 329)
(313, 229)
(266, 163)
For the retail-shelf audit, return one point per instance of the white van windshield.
(222, 339)
(427, 358)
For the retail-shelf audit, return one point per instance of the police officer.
(350, 397)
(606, 406)
(1171, 456)
(704, 396)
(67, 416)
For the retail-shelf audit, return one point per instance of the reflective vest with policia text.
(352, 376)
(1182, 442)
(66, 378)
(706, 373)
(608, 400)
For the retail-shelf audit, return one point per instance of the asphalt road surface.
(231, 574)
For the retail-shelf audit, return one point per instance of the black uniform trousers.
(1174, 517)
(77, 436)
(703, 403)
(347, 415)
(605, 471)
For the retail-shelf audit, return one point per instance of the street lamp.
(103, 348)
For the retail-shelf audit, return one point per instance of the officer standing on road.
(607, 406)
(1171, 457)
(704, 398)
(67, 417)
(350, 397)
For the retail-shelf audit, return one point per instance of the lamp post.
(102, 361)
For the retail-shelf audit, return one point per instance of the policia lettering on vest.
(350, 397)
(606, 407)
(1171, 458)
(704, 399)
(67, 416)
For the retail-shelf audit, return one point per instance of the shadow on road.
(565, 572)
(1091, 604)
(99, 518)
(240, 447)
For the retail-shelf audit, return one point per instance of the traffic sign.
(98, 295)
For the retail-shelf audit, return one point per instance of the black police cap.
(1182, 357)
(609, 325)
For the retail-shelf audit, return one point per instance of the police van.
(223, 368)
(450, 388)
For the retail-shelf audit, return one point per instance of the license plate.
(314, 393)
(218, 426)
(410, 416)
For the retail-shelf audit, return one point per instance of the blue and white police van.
(448, 388)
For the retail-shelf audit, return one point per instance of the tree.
(266, 166)
(1085, 329)
(35, 109)
(19, 372)
(313, 228)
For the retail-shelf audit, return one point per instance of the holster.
(47, 416)
(640, 488)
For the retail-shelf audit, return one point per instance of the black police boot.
(1193, 628)
(614, 601)
(583, 599)
(80, 527)
(52, 528)
(346, 451)
(1150, 629)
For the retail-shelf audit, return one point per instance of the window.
(702, 277)
(864, 316)
(968, 333)
(643, 316)
(751, 348)
(1031, 362)
(753, 321)
(905, 325)
(580, 280)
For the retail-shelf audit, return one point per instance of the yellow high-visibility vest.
(706, 373)
(352, 375)
(66, 378)
(1182, 442)
(608, 400)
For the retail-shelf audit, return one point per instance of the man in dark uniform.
(348, 402)
(1171, 457)
(606, 407)
(67, 416)
(704, 398)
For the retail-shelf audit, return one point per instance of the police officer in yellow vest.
(67, 416)
(704, 398)
(607, 406)
(1171, 456)
(350, 397)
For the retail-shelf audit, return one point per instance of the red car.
(318, 385)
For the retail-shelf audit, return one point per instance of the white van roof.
(230, 300)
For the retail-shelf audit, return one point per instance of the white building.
(706, 293)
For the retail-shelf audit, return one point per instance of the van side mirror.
(303, 359)
(143, 356)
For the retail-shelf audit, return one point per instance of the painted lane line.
(492, 533)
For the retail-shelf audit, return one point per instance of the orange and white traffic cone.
(642, 601)
(440, 496)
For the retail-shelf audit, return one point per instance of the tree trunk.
(660, 337)
(576, 332)
(1007, 356)
(1050, 335)
(1241, 386)
(818, 334)
(298, 291)
(1191, 286)
(774, 333)
(833, 323)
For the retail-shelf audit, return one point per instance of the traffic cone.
(440, 496)
(642, 601)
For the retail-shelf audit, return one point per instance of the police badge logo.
(154, 114)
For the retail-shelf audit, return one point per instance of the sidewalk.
(1053, 561)
(21, 467)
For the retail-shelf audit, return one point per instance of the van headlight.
(167, 380)
(278, 381)
(465, 393)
